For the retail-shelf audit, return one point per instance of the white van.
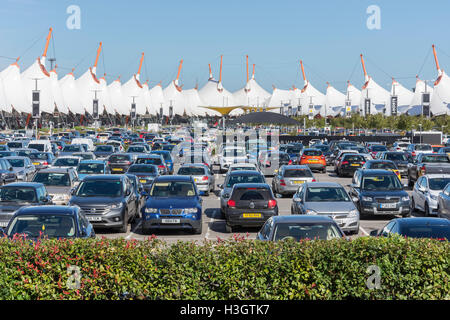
(41, 145)
(88, 142)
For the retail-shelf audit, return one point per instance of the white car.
(424, 196)
(241, 166)
(231, 155)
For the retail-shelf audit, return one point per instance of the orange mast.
(48, 42)
(179, 69)
(436, 59)
(140, 63)
(247, 66)
(210, 72)
(220, 75)
(303, 70)
(253, 73)
(98, 55)
(364, 67)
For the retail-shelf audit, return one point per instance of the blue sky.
(327, 35)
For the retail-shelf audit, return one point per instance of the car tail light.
(345, 162)
(282, 182)
(303, 157)
(322, 157)
(313, 180)
(161, 166)
(231, 203)
(272, 204)
(363, 162)
(290, 162)
(413, 154)
(423, 170)
(59, 147)
(206, 164)
(45, 163)
(205, 178)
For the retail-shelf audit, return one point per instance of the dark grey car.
(59, 182)
(23, 167)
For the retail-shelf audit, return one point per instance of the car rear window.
(354, 158)
(379, 148)
(155, 161)
(395, 157)
(297, 173)
(383, 165)
(251, 194)
(257, 178)
(436, 159)
(423, 147)
(316, 153)
(120, 157)
(38, 156)
(436, 232)
(191, 171)
(37, 146)
(143, 168)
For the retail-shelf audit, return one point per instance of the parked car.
(40, 145)
(167, 159)
(50, 222)
(107, 200)
(349, 163)
(85, 155)
(4, 154)
(41, 160)
(330, 199)
(120, 162)
(145, 173)
(197, 157)
(249, 205)
(22, 167)
(314, 159)
(424, 196)
(298, 228)
(237, 177)
(21, 194)
(138, 148)
(172, 203)
(379, 192)
(419, 148)
(92, 167)
(24, 152)
(374, 149)
(290, 177)
(58, 182)
(155, 159)
(7, 173)
(70, 149)
(427, 163)
(13, 145)
(4, 147)
(382, 165)
(103, 151)
(66, 162)
(435, 228)
(444, 203)
(202, 175)
(230, 155)
(399, 158)
(294, 150)
(271, 162)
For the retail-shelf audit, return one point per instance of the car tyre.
(405, 215)
(410, 182)
(228, 228)
(199, 229)
(427, 210)
(413, 205)
(124, 227)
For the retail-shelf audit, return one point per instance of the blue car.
(167, 159)
(90, 167)
(173, 203)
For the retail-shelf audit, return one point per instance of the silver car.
(289, 177)
(444, 203)
(202, 175)
(23, 167)
(330, 199)
(426, 190)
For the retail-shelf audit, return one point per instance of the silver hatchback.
(289, 177)
(202, 175)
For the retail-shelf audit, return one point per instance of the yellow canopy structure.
(226, 110)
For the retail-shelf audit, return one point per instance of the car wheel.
(427, 210)
(123, 228)
(405, 215)
(198, 230)
(228, 228)
(413, 205)
(410, 182)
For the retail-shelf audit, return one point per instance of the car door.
(444, 202)
(131, 198)
(387, 229)
(421, 198)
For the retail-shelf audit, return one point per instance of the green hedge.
(234, 269)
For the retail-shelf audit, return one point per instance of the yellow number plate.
(355, 165)
(252, 215)
(142, 181)
(36, 163)
(117, 169)
(299, 182)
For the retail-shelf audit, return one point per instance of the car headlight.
(405, 198)
(190, 210)
(116, 205)
(434, 197)
(353, 213)
(151, 210)
(60, 196)
(367, 199)
(311, 212)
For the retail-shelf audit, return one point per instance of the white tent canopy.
(14, 91)
(57, 93)
(354, 96)
(379, 97)
(116, 96)
(440, 100)
(4, 104)
(404, 96)
(71, 94)
(133, 90)
(334, 102)
(105, 97)
(157, 101)
(281, 98)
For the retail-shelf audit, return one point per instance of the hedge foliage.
(232, 269)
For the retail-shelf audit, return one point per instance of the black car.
(399, 158)
(7, 173)
(107, 200)
(49, 221)
(16, 195)
(103, 151)
(436, 228)
(145, 173)
(120, 162)
(250, 205)
(349, 163)
(379, 192)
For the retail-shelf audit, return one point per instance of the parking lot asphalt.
(214, 222)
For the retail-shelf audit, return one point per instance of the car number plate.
(313, 160)
(143, 181)
(36, 163)
(90, 218)
(252, 215)
(355, 164)
(195, 180)
(388, 205)
(117, 169)
(170, 220)
(3, 224)
(299, 182)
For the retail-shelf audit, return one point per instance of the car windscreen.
(137, 149)
(379, 148)
(311, 231)
(436, 158)
(37, 146)
(326, 194)
(192, 171)
(395, 157)
(104, 148)
(383, 165)
(144, 168)
(72, 148)
(297, 173)
(100, 188)
(382, 182)
(292, 150)
(119, 158)
(66, 162)
(38, 156)
(438, 183)
(155, 161)
(172, 189)
(15, 144)
(314, 153)
(52, 179)
(91, 168)
(18, 194)
(427, 231)
(233, 179)
(17, 163)
(423, 147)
(34, 226)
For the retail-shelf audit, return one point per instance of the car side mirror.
(72, 191)
(374, 233)
(220, 186)
(297, 200)
(45, 199)
(355, 199)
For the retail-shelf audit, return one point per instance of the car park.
(106, 200)
(379, 192)
(145, 174)
(424, 196)
(330, 199)
(298, 228)
(435, 228)
(289, 178)
(21, 194)
(49, 222)
(173, 203)
(58, 182)
(202, 175)
(249, 205)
